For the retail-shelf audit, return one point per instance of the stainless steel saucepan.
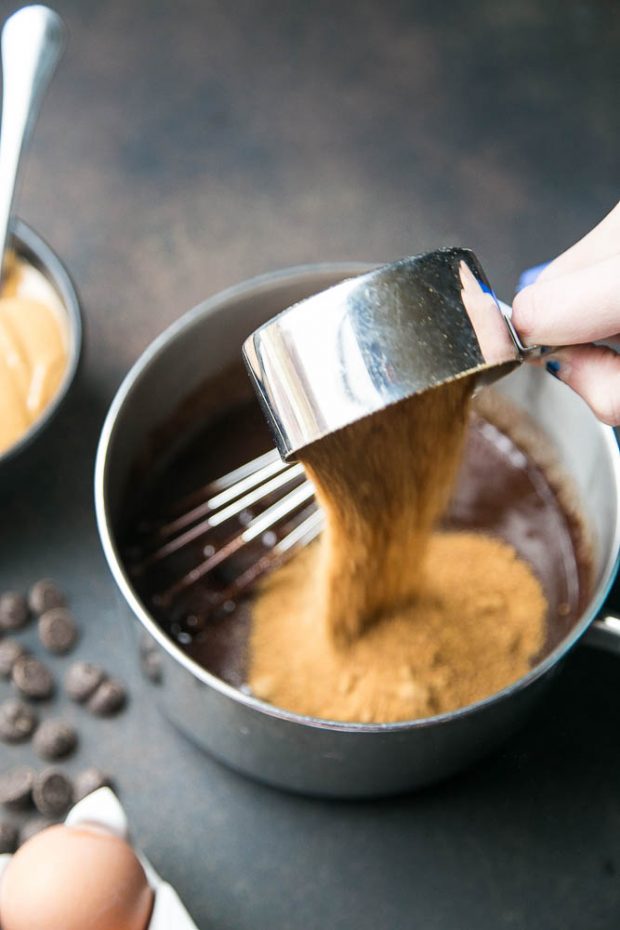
(285, 749)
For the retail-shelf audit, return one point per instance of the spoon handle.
(33, 40)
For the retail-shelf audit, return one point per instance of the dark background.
(188, 145)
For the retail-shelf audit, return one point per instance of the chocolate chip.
(55, 739)
(108, 699)
(150, 660)
(33, 678)
(57, 630)
(10, 652)
(151, 667)
(14, 613)
(82, 680)
(18, 721)
(44, 595)
(90, 780)
(52, 793)
(16, 788)
(9, 835)
(32, 827)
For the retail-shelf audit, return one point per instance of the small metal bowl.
(29, 247)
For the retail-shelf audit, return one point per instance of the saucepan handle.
(605, 631)
(604, 634)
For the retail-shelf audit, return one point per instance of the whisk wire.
(231, 492)
(261, 524)
(288, 518)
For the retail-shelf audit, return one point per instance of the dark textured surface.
(185, 146)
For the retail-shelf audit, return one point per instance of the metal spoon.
(33, 40)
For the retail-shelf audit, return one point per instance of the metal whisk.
(317, 367)
(264, 501)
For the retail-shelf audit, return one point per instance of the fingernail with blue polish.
(553, 367)
(545, 350)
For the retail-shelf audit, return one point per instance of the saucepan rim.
(104, 462)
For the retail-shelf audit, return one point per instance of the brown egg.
(75, 878)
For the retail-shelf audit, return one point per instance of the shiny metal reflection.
(376, 339)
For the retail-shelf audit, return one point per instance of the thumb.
(594, 373)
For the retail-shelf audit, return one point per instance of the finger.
(601, 243)
(582, 306)
(594, 373)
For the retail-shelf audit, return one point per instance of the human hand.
(574, 302)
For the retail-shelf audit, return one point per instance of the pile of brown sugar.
(384, 619)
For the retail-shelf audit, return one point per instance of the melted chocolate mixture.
(499, 491)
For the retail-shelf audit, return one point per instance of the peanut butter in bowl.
(34, 349)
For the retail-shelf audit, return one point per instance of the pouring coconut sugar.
(386, 616)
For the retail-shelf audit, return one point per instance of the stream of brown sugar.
(384, 619)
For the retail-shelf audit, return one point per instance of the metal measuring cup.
(376, 339)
